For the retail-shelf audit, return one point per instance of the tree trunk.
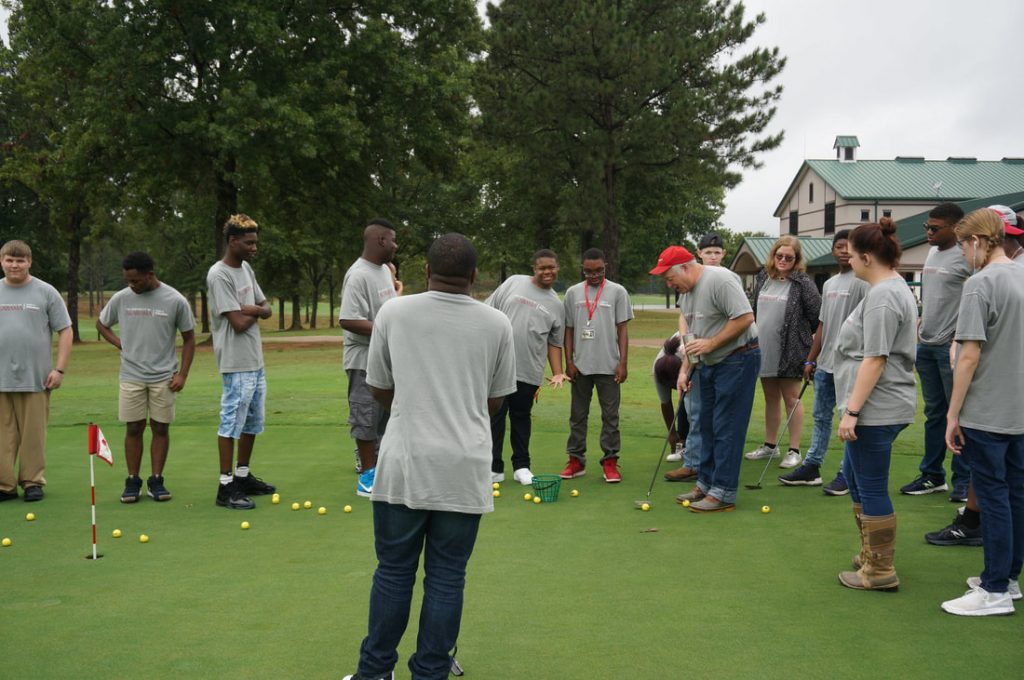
(610, 235)
(296, 313)
(280, 313)
(205, 315)
(74, 267)
(330, 300)
(504, 272)
(315, 305)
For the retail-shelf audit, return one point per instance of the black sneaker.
(807, 474)
(157, 490)
(232, 496)
(837, 487)
(955, 534)
(8, 495)
(132, 489)
(252, 485)
(958, 494)
(922, 486)
(33, 494)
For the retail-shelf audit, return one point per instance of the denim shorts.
(242, 403)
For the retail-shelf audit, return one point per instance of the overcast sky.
(932, 78)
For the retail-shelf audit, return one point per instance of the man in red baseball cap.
(714, 309)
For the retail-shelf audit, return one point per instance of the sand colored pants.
(23, 420)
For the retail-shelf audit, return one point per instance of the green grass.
(574, 589)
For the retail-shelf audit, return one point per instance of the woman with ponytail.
(876, 395)
(984, 423)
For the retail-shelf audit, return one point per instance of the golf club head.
(638, 505)
(752, 487)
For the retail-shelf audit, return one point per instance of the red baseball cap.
(1009, 219)
(670, 257)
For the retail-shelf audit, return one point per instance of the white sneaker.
(497, 476)
(974, 583)
(979, 602)
(762, 452)
(389, 676)
(677, 454)
(523, 476)
(790, 460)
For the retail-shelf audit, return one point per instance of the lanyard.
(591, 308)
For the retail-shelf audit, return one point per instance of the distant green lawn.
(577, 589)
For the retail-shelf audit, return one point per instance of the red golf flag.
(98, 445)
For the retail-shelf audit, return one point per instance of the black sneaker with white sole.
(132, 489)
(232, 496)
(156, 489)
(252, 485)
(922, 486)
(956, 533)
(837, 487)
(807, 474)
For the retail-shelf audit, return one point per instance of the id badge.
(588, 334)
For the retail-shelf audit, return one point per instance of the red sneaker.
(573, 469)
(611, 470)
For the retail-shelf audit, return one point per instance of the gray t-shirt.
(882, 325)
(29, 316)
(717, 298)
(839, 296)
(992, 312)
(538, 320)
(444, 355)
(664, 391)
(149, 324)
(595, 339)
(229, 289)
(771, 321)
(366, 288)
(942, 281)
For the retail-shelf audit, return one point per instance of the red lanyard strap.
(591, 308)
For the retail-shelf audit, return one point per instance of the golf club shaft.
(785, 428)
(668, 436)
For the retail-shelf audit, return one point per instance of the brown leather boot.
(859, 558)
(683, 474)
(877, 572)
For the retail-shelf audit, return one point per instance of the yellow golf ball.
(765, 509)
(245, 525)
(295, 506)
(574, 493)
(686, 504)
(495, 486)
(348, 508)
(143, 538)
(6, 543)
(322, 510)
(496, 493)
(527, 496)
(536, 499)
(307, 505)
(30, 516)
(275, 499)
(645, 507)
(116, 533)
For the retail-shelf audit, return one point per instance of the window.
(848, 153)
(810, 192)
(865, 215)
(794, 222)
(830, 217)
(887, 213)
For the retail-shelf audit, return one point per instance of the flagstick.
(92, 487)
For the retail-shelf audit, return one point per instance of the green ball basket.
(546, 487)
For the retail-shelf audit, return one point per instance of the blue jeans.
(866, 466)
(936, 386)
(242, 403)
(691, 457)
(727, 398)
(446, 540)
(824, 410)
(997, 473)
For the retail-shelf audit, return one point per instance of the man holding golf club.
(718, 315)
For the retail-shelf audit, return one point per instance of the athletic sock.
(794, 450)
(770, 445)
(971, 518)
(225, 478)
(242, 471)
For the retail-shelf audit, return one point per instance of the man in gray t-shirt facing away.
(31, 311)
(942, 282)
(596, 350)
(538, 327)
(441, 363)
(236, 305)
(718, 313)
(149, 314)
(367, 286)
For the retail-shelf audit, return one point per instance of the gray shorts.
(366, 417)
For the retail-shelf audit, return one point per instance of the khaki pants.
(23, 420)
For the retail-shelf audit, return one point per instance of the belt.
(745, 348)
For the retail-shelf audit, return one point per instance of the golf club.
(639, 504)
(780, 437)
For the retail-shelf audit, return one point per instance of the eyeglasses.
(785, 258)
(931, 227)
(593, 272)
